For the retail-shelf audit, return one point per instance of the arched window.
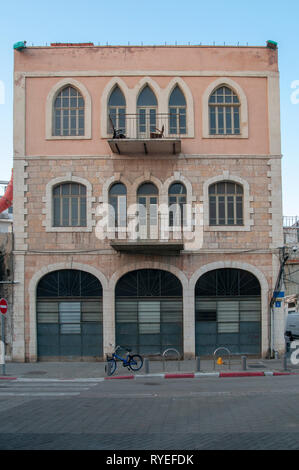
(69, 205)
(149, 311)
(69, 315)
(177, 112)
(117, 110)
(118, 205)
(227, 312)
(176, 202)
(226, 203)
(68, 116)
(147, 112)
(224, 112)
(147, 198)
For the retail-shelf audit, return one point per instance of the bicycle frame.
(124, 360)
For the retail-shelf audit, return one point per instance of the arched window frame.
(48, 200)
(107, 91)
(147, 114)
(247, 210)
(165, 97)
(230, 113)
(243, 114)
(148, 211)
(229, 201)
(119, 112)
(177, 120)
(55, 90)
(76, 205)
(131, 97)
(118, 211)
(176, 206)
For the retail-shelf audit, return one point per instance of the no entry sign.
(3, 306)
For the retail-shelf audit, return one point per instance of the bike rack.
(178, 357)
(218, 349)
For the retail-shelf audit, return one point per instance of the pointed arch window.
(117, 110)
(177, 112)
(68, 116)
(224, 112)
(147, 112)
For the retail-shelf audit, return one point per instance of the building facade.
(147, 200)
(291, 270)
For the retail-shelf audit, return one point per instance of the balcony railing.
(291, 229)
(146, 132)
(291, 221)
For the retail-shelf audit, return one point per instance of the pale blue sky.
(156, 22)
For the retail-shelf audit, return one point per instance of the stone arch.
(246, 267)
(150, 265)
(32, 294)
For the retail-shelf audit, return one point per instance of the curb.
(186, 375)
(203, 374)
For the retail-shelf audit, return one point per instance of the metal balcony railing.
(291, 229)
(149, 230)
(147, 124)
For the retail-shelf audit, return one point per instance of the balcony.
(152, 237)
(147, 133)
(291, 230)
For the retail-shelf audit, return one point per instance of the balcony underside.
(148, 247)
(145, 146)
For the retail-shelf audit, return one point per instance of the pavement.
(156, 368)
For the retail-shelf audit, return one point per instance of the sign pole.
(2, 352)
(3, 310)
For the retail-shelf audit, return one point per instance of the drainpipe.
(284, 256)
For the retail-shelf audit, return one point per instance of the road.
(150, 413)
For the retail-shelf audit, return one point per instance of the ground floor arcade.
(80, 310)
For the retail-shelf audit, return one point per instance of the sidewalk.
(167, 369)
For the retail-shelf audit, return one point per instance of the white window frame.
(247, 210)
(48, 200)
(243, 114)
(55, 90)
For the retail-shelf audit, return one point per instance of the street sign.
(3, 306)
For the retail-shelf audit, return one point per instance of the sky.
(158, 22)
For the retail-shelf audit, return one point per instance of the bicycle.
(133, 362)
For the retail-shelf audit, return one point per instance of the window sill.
(227, 228)
(225, 136)
(68, 137)
(69, 229)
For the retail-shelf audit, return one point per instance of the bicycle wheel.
(112, 364)
(136, 362)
